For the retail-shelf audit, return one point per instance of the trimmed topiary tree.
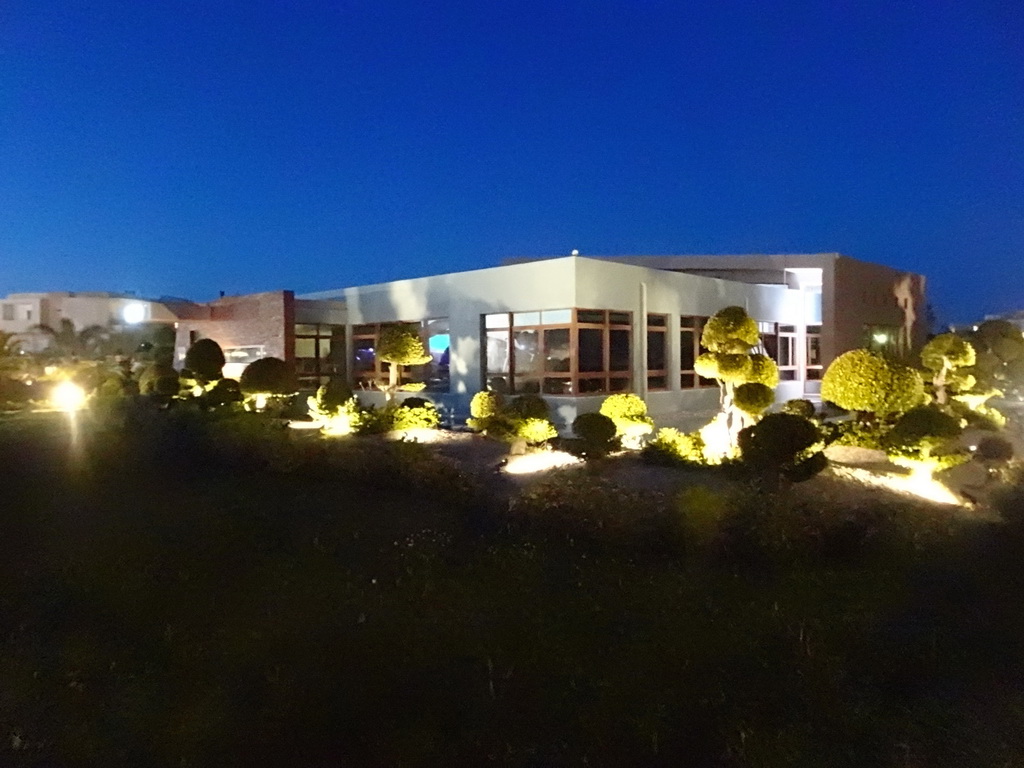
(729, 337)
(863, 381)
(416, 415)
(204, 361)
(399, 345)
(945, 356)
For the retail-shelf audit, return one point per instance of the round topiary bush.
(485, 404)
(595, 430)
(862, 380)
(205, 359)
(754, 398)
(922, 440)
(268, 376)
(159, 379)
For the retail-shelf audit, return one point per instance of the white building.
(575, 329)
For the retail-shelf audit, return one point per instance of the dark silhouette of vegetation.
(201, 589)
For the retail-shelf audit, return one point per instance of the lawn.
(178, 591)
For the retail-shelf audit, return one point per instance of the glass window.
(591, 350)
(556, 350)
(520, 319)
(496, 321)
(8, 311)
(655, 351)
(619, 318)
(305, 347)
(556, 317)
(618, 350)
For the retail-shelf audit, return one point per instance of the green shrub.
(921, 439)
(628, 413)
(536, 431)
(269, 376)
(799, 407)
(783, 445)
(205, 359)
(754, 398)
(671, 446)
(483, 409)
(864, 381)
(424, 416)
(857, 434)
(596, 431)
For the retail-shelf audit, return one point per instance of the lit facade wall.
(557, 284)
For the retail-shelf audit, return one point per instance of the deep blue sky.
(196, 146)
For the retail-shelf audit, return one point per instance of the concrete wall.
(864, 295)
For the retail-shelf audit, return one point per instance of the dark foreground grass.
(189, 594)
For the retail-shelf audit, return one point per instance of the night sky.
(184, 148)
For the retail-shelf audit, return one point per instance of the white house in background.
(575, 329)
(20, 313)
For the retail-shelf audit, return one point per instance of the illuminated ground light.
(920, 484)
(539, 462)
(68, 396)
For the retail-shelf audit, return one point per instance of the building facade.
(572, 329)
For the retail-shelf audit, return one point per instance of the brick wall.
(266, 319)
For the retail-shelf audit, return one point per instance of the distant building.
(22, 313)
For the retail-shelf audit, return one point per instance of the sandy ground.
(854, 478)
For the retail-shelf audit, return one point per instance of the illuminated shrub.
(671, 446)
(857, 434)
(799, 407)
(943, 356)
(754, 398)
(628, 413)
(536, 431)
(483, 407)
(205, 360)
(864, 381)
(921, 439)
(763, 370)
(783, 445)
(596, 432)
(414, 416)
